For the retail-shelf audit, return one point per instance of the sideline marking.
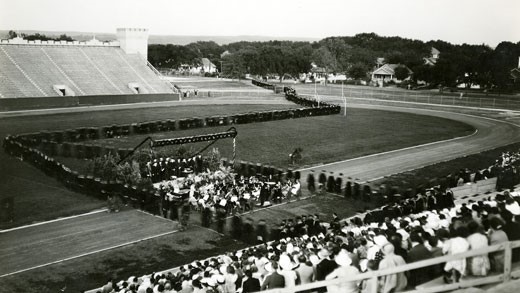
(52, 221)
(88, 253)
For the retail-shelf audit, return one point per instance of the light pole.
(221, 67)
(344, 99)
(316, 97)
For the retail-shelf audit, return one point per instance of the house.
(207, 66)
(515, 75)
(386, 73)
(225, 53)
(434, 57)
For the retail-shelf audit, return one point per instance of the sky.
(456, 21)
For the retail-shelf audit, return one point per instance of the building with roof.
(386, 73)
(434, 57)
(208, 66)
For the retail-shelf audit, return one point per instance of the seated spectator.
(250, 284)
(418, 252)
(287, 271)
(455, 269)
(396, 282)
(477, 265)
(343, 270)
(496, 236)
(367, 285)
(273, 279)
(305, 270)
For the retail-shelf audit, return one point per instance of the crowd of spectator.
(307, 250)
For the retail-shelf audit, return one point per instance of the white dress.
(454, 246)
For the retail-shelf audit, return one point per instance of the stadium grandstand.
(60, 68)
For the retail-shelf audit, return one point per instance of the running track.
(491, 133)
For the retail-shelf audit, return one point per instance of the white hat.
(285, 262)
(290, 248)
(343, 260)
(380, 240)
(314, 259)
(269, 267)
(223, 202)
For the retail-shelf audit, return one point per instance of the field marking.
(88, 253)
(52, 221)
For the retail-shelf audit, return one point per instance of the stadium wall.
(12, 104)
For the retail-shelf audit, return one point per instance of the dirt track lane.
(490, 134)
(50, 242)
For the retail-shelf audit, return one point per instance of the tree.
(107, 168)
(401, 72)
(234, 66)
(324, 58)
(357, 71)
(213, 159)
(12, 35)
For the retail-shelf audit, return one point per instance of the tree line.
(41, 37)
(354, 56)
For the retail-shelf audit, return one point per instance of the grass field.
(323, 139)
(213, 83)
(38, 197)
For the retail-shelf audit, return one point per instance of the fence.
(419, 97)
(504, 276)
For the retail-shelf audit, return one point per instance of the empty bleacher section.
(32, 71)
(48, 68)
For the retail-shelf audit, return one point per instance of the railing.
(419, 97)
(159, 74)
(505, 276)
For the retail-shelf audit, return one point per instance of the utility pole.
(344, 99)
(315, 95)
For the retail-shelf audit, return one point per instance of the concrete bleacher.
(33, 71)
